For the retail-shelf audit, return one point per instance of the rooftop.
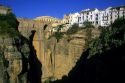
(4, 7)
(88, 10)
(118, 7)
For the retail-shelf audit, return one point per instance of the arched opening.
(45, 26)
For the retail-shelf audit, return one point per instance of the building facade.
(74, 18)
(65, 19)
(117, 12)
(91, 16)
(105, 17)
(5, 10)
(97, 17)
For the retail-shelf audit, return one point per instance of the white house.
(105, 17)
(85, 15)
(5, 10)
(91, 15)
(74, 18)
(97, 17)
(117, 12)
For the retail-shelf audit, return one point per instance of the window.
(87, 13)
(96, 18)
(96, 22)
(91, 17)
(79, 19)
(96, 15)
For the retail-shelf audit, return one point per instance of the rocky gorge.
(57, 57)
(14, 52)
(31, 53)
(33, 57)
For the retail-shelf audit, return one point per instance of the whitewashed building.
(97, 17)
(85, 15)
(91, 15)
(5, 10)
(74, 18)
(117, 12)
(105, 17)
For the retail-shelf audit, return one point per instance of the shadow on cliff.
(104, 68)
(35, 73)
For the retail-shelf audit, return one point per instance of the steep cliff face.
(60, 57)
(14, 53)
(57, 58)
(34, 57)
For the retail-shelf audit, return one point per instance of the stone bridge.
(42, 31)
(57, 58)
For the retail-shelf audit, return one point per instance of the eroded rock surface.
(14, 54)
(57, 58)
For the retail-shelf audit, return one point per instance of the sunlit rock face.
(13, 55)
(60, 57)
(57, 58)
(14, 50)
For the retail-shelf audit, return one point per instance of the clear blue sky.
(56, 8)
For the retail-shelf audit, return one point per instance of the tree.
(73, 29)
(88, 24)
(58, 34)
(111, 37)
(8, 24)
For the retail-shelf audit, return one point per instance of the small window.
(91, 17)
(87, 13)
(96, 22)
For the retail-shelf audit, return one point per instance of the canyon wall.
(14, 54)
(57, 58)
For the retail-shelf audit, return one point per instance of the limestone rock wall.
(61, 57)
(12, 54)
(57, 58)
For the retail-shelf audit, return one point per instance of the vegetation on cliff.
(58, 34)
(8, 24)
(111, 37)
(72, 30)
(104, 59)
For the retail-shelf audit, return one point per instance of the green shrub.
(8, 24)
(111, 37)
(73, 29)
(50, 79)
(88, 24)
(58, 35)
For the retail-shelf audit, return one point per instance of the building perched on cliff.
(66, 19)
(5, 9)
(97, 17)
